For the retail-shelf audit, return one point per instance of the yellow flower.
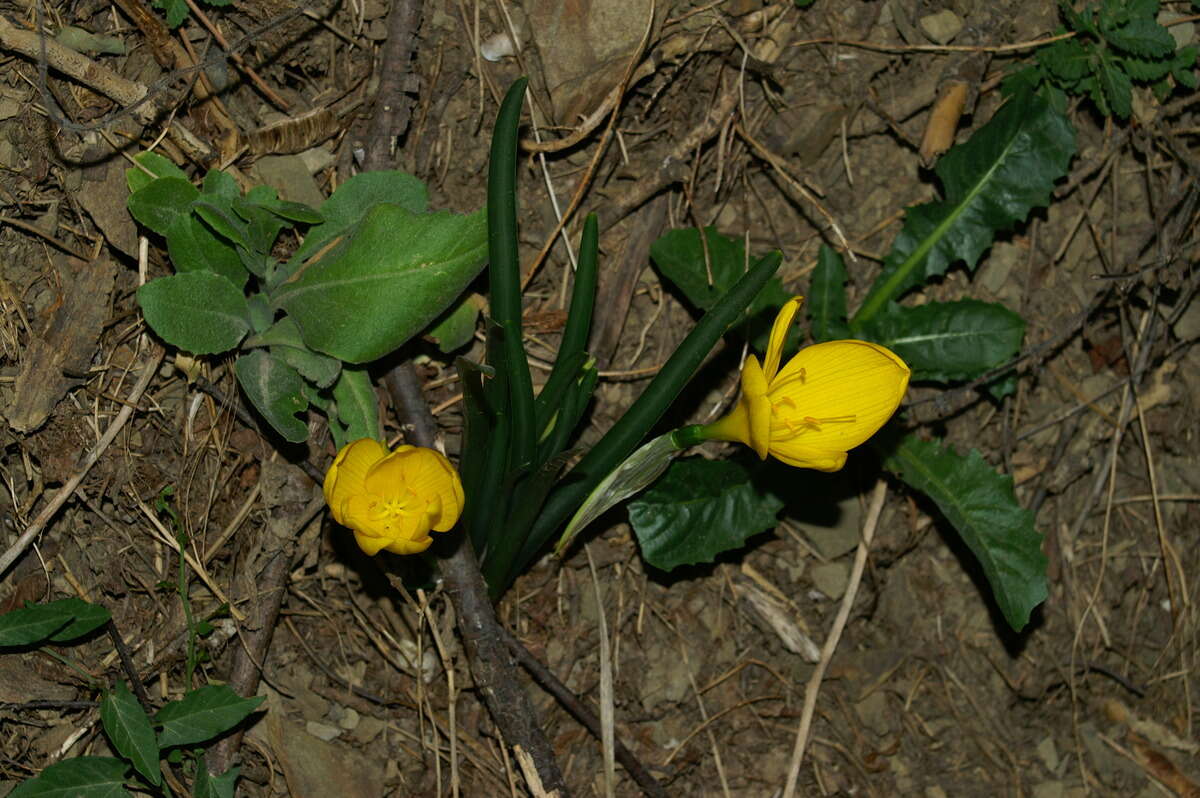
(826, 400)
(393, 500)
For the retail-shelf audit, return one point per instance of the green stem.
(623, 438)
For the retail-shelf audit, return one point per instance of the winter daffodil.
(826, 400)
(393, 500)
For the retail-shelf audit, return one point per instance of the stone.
(942, 27)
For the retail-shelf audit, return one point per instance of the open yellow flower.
(392, 500)
(826, 400)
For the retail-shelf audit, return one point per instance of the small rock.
(322, 731)
(873, 712)
(831, 578)
(1048, 753)
(942, 27)
(1049, 789)
(349, 719)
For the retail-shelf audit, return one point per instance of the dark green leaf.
(80, 777)
(222, 221)
(261, 315)
(220, 188)
(1116, 86)
(207, 786)
(318, 369)
(199, 312)
(680, 257)
(33, 624)
(276, 390)
(86, 618)
(991, 182)
(699, 509)
(130, 732)
(349, 204)
(384, 282)
(162, 202)
(948, 341)
(203, 714)
(826, 300)
(980, 504)
(1142, 36)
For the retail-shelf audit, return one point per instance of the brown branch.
(491, 663)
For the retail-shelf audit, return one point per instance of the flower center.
(798, 424)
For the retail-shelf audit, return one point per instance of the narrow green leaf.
(826, 300)
(980, 504)
(699, 509)
(203, 714)
(504, 278)
(276, 390)
(384, 282)
(130, 732)
(199, 312)
(991, 182)
(79, 777)
(357, 406)
(221, 221)
(948, 341)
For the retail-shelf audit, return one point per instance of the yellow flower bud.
(393, 500)
(826, 400)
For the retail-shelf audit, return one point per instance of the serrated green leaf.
(357, 407)
(385, 281)
(176, 10)
(1116, 86)
(79, 777)
(151, 166)
(207, 786)
(991, 182)
(130, 732)
(699, 509)
(826, 300)
(680, 257)
(1068, 60)
(276, 390)
(1142, 36)
(980, 504)
(199, 312)
(948, 341)
(203, 714)
(349, 204)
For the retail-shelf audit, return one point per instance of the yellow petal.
(758, 407)
(347, 475)
(409, 546)
(370, 545)
(800, 457)
(779, 331)
(833, 396)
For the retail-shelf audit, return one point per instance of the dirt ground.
(764, 119)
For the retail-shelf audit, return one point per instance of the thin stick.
(60, 498)
(835, 635)
(606, 682)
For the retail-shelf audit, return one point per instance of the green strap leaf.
(130, 732)
(199, 312)
(991, 182)
(384, 282)
(203, 714)
(79, 777)
(276, 390)
(948, 341)
(699, 509)
(826, 300)
(980, 504)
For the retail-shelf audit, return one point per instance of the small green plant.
(1117, 44)
(177, 10)
(375, 269)
(990, 183)
(140, 738)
